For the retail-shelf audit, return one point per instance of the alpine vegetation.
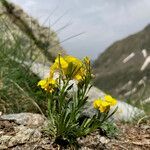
(65, 109)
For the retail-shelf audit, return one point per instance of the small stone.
(3, 147)
(145, 127)
(23, 135)
(1, 132)
(5, 139)
(104, 140)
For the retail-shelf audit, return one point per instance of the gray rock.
(23, 134)
(125, 111)
(4, 139)
(104, 140)
(27, 119)
(3, 147)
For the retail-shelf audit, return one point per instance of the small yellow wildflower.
(69, 66)
(110, 100)
(104, 107)
(104, 104)
(76, 67)
(74, 60)
(42, 83)
(87, 67)
(60, 62)
(47, 84)
(97, 103)
(78, 77)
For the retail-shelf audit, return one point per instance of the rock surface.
(125, 111)
(24, 136)
(42, 41)
(27, 119)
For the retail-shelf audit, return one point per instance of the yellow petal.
(104, 106)
(42, 83)
(52, 81)
(78, 77)
(61, 62)
(48, 84)
(110, 100)
(96, 103)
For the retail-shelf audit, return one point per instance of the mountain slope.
(16, 24)
(23, 39)
(122, 79)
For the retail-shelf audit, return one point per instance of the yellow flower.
(97, 103)
(42, 83)
(78, 77)
(110, 100)
(74, 61)
(47, 84)
(60, 62)
(70, 67)
(102, 105)
(87, 67)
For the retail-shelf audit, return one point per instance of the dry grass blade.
(28, 97)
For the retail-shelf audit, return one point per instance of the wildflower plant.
(65, 108)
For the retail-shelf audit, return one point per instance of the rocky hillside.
(123, 69)
(22, 39)
(17, 26)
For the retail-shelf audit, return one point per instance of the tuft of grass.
(18, 85)
(109, 129)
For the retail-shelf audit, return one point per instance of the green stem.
(61, 97)
(49, 105)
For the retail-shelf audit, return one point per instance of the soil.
(130, 137)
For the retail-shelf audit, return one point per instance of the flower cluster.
(103, 105)
(69, 68)
(48, 84)
(64, 108)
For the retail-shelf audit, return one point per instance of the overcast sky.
(102, 21)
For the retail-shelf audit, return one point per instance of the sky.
(100, 22)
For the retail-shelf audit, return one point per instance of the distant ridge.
(118, 78)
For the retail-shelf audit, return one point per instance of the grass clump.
(17, 87)
(18, 90)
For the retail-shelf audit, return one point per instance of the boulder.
(125, 112)
(35, 39)
(27, 119)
